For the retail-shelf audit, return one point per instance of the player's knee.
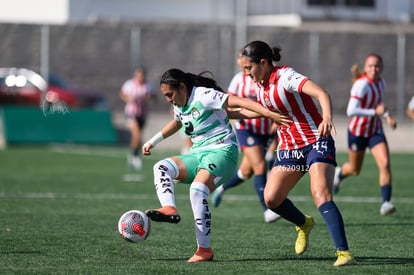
(244, 174)
(259, 168)
(384, 165)
(355, 171)
(272, 201)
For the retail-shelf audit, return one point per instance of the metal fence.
(101, 56)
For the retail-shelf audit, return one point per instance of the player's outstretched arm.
(169, 129)
(252, 109)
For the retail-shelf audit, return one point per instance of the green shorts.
(220, 162)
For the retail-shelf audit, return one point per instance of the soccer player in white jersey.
(366, 107)
(254, 136)
(305, 145)
(200, 108)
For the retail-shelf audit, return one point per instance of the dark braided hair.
(174, 77)
(258, 50)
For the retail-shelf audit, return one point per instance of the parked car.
(20, 86)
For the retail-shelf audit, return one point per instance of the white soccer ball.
(134, 226)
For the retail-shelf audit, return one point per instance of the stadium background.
(101, 53)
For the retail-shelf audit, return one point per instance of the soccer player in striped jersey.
(366, 107)
(305, 145)
(201, 109)
(254, 136)
(136, 93)
(410, 109)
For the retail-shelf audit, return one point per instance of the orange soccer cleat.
(202, 255)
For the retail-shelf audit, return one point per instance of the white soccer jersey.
(205, 120)
(284, 94)
(243, 86)
(366, 95)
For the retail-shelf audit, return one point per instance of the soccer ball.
(134, 226)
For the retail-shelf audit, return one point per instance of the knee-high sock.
(201, 211)
(335, 224)
(340, 176)
(164, 172)
(386, 192)
(235, 180)
(288, 211)
(259, 185)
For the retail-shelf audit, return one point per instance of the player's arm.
(124, 96)
(312, 89)
(409, 112)
(252, 109)
(242, 114)
(169, 129)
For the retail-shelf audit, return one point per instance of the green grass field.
(60, 207)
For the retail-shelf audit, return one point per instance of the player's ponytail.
(355, 73)
(276, 53)
(202, 81)
(173, 77)
(258, 50)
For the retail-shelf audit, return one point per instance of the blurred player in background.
(136, 93)
(410, 109)
(366, 107)
(254, 136)
(305, 145)
(201, 108)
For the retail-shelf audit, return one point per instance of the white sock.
(201, 211)
(164, 172)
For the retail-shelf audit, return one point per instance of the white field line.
(90, 151)
(105, 196)
(86, 150)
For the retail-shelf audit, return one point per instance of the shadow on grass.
(384, 260)
(359, 260)
(19, 252)
(385, 224)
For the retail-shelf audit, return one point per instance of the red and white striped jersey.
(366, 95)
(283, 93)
(242, 85)
(139, 92)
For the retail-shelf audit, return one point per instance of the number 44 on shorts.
(320, 146)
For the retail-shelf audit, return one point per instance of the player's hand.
(380, 109)
(392, 123)
(146, 149)
(326, 128)
(280, 119)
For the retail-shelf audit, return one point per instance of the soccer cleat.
(270, 216)
(337, 181)
(344, 258)
(216, 198)
(165, 214)
(387, 208)
(303, 235)
(201, 255)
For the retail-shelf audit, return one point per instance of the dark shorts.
(247, 138)
(356, 143)
(139, 120)
(301, 159)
